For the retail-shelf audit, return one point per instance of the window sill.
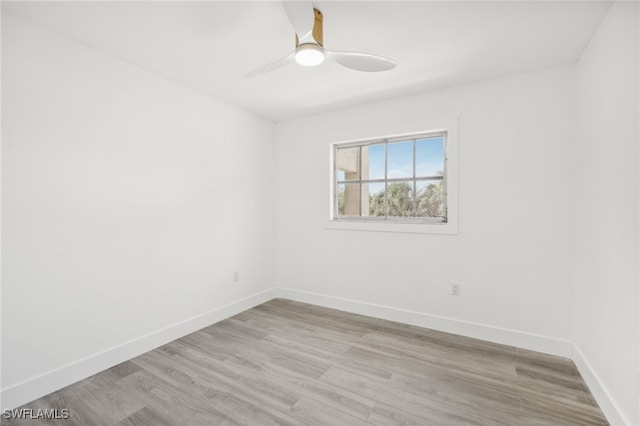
(412, 228)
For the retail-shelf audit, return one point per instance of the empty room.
(320, 213)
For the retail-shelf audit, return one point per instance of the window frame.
(413, 179)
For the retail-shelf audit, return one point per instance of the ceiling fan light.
(309, 55)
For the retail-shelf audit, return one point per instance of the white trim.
(505, 336)
(36, 387)
(599, 391)
(412, 228)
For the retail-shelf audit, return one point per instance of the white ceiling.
(209, 46)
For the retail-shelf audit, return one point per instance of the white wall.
(118, 185)
(605, 182)
(511, 255)
(128, 201)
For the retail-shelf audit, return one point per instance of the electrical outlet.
(236, 277)
(455, 289)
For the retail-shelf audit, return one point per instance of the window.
(400, 179)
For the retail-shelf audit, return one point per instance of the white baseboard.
(51, 381)
(607, 404)
(36, 387)
(489, 333)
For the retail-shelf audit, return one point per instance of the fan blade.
(362, 61)
(271, 66)
(300, 14)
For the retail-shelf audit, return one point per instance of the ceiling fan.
(307, 24)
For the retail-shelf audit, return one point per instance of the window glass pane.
(410, 175)
(430, 198)
(430, 157)
(400, 159)
(349, 199)
(373, 161)
(375, 199)
(348, 162)
(400, 199)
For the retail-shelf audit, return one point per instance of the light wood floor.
(286, 362)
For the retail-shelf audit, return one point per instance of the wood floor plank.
(269, 378)
(214, 376)
(384, 415)
(290, 363)
(316, 413)
(173, 403)
(145, 417)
